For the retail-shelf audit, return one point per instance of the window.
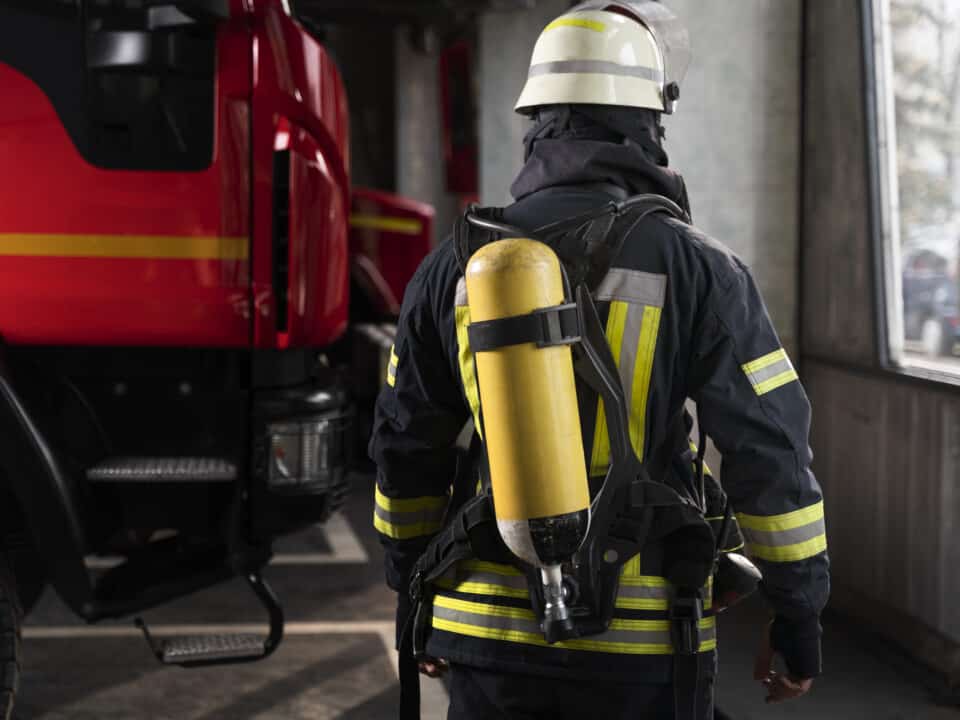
(917, 61)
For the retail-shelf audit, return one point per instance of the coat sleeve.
(752, 404)
(419, 414)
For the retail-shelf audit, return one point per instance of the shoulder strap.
(586, 243)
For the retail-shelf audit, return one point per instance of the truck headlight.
(306, 453)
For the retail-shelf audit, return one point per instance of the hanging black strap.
(686, 687)
(686, 610)
(409, 680)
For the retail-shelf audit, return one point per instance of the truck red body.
(176, 318)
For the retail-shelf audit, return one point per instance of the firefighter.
(684, 319)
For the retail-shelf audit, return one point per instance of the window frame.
(883, 199)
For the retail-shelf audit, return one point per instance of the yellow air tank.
(530, 419)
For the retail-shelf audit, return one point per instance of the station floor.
(337, 659)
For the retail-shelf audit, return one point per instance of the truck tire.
(10, 616)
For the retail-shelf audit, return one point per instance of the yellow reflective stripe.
(399, 225)
(600, 454)
(786, 521)
(642, 371)
(405, 505)
(407, 531)
(787, 376)
(594, 25)
(468, 369)
(627, 603)
(645, 581)
(790, 553)
(631, 568)
(765, 361)
(392, 367)
(154, 247)
(706, 469)
(479, 588)
(490, 567)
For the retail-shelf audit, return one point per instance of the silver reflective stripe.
(513, 582)
(427, 516)
(629, 346)
(602, 67)
(643, 592)
(773, 538)
(633, 286)
(764, 374)
(461, 296)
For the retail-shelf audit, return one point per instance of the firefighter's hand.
(433, 667)
(779, 686)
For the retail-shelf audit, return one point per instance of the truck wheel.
(10, 616)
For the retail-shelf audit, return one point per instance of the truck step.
(162, 469)
(209, 649)
(222, 649)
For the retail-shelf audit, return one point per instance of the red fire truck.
(176, 264)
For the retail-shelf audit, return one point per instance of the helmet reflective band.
(597, 57)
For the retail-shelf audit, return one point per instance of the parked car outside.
(931, 304)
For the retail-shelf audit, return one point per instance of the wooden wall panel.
(886, 454)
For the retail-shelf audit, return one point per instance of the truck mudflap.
(49, 498)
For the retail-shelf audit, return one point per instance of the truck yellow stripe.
(155, 247)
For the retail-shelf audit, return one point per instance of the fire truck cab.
(176, 321)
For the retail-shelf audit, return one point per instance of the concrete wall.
(506, 41)
(735, 136)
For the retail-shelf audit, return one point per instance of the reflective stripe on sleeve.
(519, 625)
(405, 518)
(770, 372)
(785, 538)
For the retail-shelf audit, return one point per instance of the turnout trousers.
(477, 694)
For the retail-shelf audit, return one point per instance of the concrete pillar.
(419, 150)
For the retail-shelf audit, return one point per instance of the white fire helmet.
(602, 52)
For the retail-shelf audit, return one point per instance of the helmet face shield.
(670, 33)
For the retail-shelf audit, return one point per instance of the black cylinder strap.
(557, 325)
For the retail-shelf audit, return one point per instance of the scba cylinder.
(530, 419)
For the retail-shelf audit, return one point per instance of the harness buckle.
(416, 585)
(686, 611)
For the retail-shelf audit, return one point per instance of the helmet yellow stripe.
(594, 25)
